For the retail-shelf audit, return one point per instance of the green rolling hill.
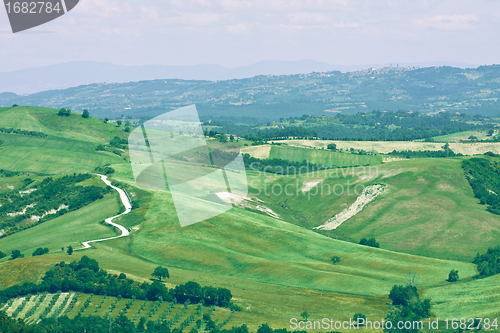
(427, 221)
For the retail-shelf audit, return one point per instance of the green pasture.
(47, 121)
(456, 137)
(427, 209)
(467, 299)
(427, 221)
(51, 155)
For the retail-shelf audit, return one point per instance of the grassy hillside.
(255, 247)
(47, 121)
(456, 137)
(428, 207)
(455, 299)
(69, 229)
(275, 268)
(69, 146)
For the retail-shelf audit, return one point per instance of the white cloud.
(448, 22)
(238, 32)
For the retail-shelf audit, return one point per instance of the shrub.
(64, 112)
(335, 260)
(16, 254)
(40, 251)
(453, 277)
(369, 242)
(359, 316)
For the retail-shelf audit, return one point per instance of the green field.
(70, 229)
(428, 209)
(322, 157)
(385, 147)
(69, 146)
(71, 304)
(427, 221)
(456, 137)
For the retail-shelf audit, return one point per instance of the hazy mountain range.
(427, 90)
(72, 74)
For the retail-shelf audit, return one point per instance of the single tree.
(70, 250)
(412, 278)
(16, 254)
(453, 277)
(332, 146)
(119, 123)
(127, 129)
(335, 260)
(161, 272)
(304, 315)
(85, 114)
(359, 315)
(106, 120)
(264, 328)
(223, 137)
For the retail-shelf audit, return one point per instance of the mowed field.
(384, 147)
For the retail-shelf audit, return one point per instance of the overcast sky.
(240, 32)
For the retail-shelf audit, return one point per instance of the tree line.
(22, 132)
(368, 126)
(484, 178)
(86, 276)
(488, 263)
(445, 152)
(120, 324)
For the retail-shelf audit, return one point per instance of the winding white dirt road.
(128, 208)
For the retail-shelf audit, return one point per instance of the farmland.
(427, 221)
(384, 147)
(322, 157)
(32, 308)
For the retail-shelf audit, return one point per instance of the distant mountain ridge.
(77, 73)
(263, 98)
